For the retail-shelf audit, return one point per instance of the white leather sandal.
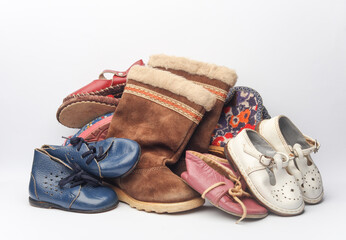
(287, 138)
(264, 170)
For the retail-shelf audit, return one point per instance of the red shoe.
(99, 97)
(214, 178)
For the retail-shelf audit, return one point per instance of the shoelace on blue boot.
(77, 142)
(79, 177)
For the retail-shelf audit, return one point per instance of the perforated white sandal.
(264, 171)
(287, 138)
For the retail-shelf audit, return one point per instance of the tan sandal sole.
(158, 207)
(76, 115)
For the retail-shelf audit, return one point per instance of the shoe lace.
(236, 193)
(79, 177)
(91, 154)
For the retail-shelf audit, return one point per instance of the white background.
(292, 52)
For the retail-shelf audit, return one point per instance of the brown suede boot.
(160, 111)
(216, 79)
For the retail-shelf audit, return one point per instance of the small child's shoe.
(285, 137)
(214, 178)
(110, 158)
(99, 97)
(56, 184)
(264, 170)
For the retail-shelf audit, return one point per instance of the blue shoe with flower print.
(56, 184)
(109, 158)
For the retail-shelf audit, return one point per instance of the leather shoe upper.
(77, 193)
(110, 158)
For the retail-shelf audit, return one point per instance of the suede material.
(156, 184)
(200, 140)
(162, 134)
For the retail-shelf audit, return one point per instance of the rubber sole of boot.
(48, 205)
(256, 194)
(76, 115)
(158, 207)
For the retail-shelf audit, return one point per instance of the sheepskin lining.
(173, 83)
(214, 162)
(212, 71)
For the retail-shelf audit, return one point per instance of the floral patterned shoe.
(213, 177)
(287, 138)
(264, 170)
(243, 109)
(99, 97)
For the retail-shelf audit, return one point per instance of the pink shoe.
(214, 178)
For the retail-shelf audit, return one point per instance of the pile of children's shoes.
(147, 137)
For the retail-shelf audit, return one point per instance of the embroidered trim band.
(218, 92)
(165, 101)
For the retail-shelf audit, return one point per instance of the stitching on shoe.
(86, 101)
(170, 103)
(94, 92)
(80, 187)
(167, 98)
(35, 186)
(140, 170)
(218, 92)
(98, 168)
(53, 158)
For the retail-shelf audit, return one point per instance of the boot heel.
(36, 203)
